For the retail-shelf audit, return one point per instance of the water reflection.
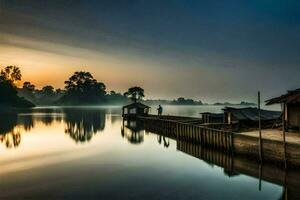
(239, 165)
(166, 141)
(80, 124)
(50, 161)
(11, 139)
(133, 131)
(10, 134)
(234, 165)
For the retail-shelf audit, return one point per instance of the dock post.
(177, 127)
(259, 128)
(283, 135)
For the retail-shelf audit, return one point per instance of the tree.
(116, 98)
(8, 89)
(81, 87)
(59, 91)
(27, 86)
(135, 93)
(27, 91)
(11, 74)
(77, 80)
(48, 91)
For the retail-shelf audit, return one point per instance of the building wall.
(293, 113)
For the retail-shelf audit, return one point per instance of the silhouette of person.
(160, 110)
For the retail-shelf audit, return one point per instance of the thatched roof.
(292, 96)
(251, 114)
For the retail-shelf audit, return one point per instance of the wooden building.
(135, 109)
(290, 103)
(249, 116)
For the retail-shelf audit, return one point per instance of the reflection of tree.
(133, 130)
(27, 122)
(8, 120)
(82, 124)
(11, 139)
(48, 116)
(9, 134)
(12, 124)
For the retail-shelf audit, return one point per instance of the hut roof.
(136, 105)
(251, 114)
(292, 96)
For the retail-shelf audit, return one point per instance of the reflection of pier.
(213, 136)
(209, 155)
(288, 179)
(232, 163)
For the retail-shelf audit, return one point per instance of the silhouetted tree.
(48, 91)
(28, 86)
(45, 96)
(8, 90)
(59, 91)
(11, 74)
(82, 88)
(135, 93)
(116, 98)
(183, 101)
(27, 91)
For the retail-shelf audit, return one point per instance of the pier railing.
(190, 131)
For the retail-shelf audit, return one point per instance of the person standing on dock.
(160, 110)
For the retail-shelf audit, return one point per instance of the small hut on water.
(290, 103)
(135, 109)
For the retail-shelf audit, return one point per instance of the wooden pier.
(193, 130)
(190, 130)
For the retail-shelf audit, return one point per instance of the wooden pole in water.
(283, 134)
(259, 175)
(259, 127)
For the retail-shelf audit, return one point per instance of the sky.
(208, 50)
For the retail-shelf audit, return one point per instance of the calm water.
(83, 153)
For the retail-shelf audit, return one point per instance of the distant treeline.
(183, 101)
(242, 103)
(80, 89)
(179, 101)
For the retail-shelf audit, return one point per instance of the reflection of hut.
(133, 130)
(135, 109)
(249, 116)
(291, 105)
(209, 117)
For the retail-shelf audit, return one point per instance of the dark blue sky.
(212, 50)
